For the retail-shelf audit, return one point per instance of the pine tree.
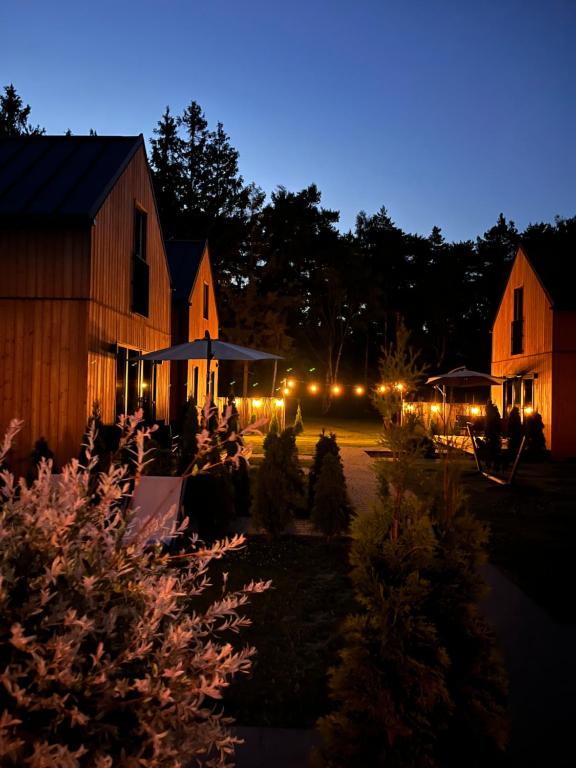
(298, 421)
(419, 681)
(326, 445)
(280, 483)
(194, 165)
(390, 685)
(331, 509)
(167, 147)
(14, 116)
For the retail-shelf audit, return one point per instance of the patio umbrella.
(209, 349)
(463, 377)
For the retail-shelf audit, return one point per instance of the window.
(205, 300)
(195, 384)
(135, 384)
(518, 322)
(140, 267)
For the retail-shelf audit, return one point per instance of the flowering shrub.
(111, 654)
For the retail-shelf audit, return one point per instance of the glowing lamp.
(475, 411)
(399, 386)
(336, 389)
(257, 403)
(279, 403)
(313, 388)
(382, 389)
(359, 390)
(291, 383)
(435, 408)
(528, 410)
(286, 391)
(409, 407)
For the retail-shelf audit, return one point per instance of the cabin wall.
(43, 366)
(536, 357)
(44, 287)
(198, 325)
(564, 395)
(111, 320)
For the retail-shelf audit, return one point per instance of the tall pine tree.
(14, 115)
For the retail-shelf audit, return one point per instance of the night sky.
(446, 112)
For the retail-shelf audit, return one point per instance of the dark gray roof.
(53, 178)
(184, 257)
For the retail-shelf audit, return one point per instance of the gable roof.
(552, 268)
(184, 258)
(54, 178)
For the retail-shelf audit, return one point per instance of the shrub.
(326, 445)
(535, 440)
(274, 426)
(280, 483)
(420, 682)
(112, 654)
(331, 510)
(298, 422)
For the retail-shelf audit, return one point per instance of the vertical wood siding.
(197, 325)
(544, 338)
(43, 373)
(564, 373)
(44, 289)
(111, 320)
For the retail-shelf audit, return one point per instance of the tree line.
(290, 281)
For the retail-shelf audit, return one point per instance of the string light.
(359, 390)
(336, 389)
(313, 388)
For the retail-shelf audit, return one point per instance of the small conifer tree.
(298, 422)
(419, 681)
(331, 509)
(280, 483)
(326, 445)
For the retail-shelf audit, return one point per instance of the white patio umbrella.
(461, 377)
(464, 377)
(209, 349)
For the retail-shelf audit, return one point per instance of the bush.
(331, 510)
(279, 487)
(420, 682)
(112, 655)
(325, 446)
(298, 422)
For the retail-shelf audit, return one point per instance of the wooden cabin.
(84, 287)
(194, 311)
(534, 347)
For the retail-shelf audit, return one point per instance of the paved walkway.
(361, 479)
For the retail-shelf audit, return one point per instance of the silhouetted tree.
(14, 115)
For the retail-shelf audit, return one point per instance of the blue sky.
(446, 112)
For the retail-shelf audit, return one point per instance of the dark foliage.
(280, 486)
(326, 445)
(331, 510)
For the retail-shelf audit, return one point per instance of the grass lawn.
(359, 433)
(295, 628)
